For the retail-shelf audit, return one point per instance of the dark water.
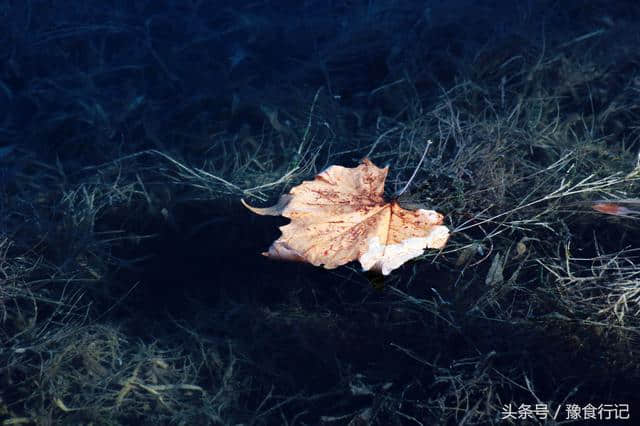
(85, 83)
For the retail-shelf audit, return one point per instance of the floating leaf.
(341, 216)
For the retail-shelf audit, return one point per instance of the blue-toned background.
(132, 290)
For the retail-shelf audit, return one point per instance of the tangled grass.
(534, 300)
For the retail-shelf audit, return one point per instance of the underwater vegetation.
(131, 286)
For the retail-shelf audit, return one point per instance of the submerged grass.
(535, 300)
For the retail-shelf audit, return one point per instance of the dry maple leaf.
(341, 216)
